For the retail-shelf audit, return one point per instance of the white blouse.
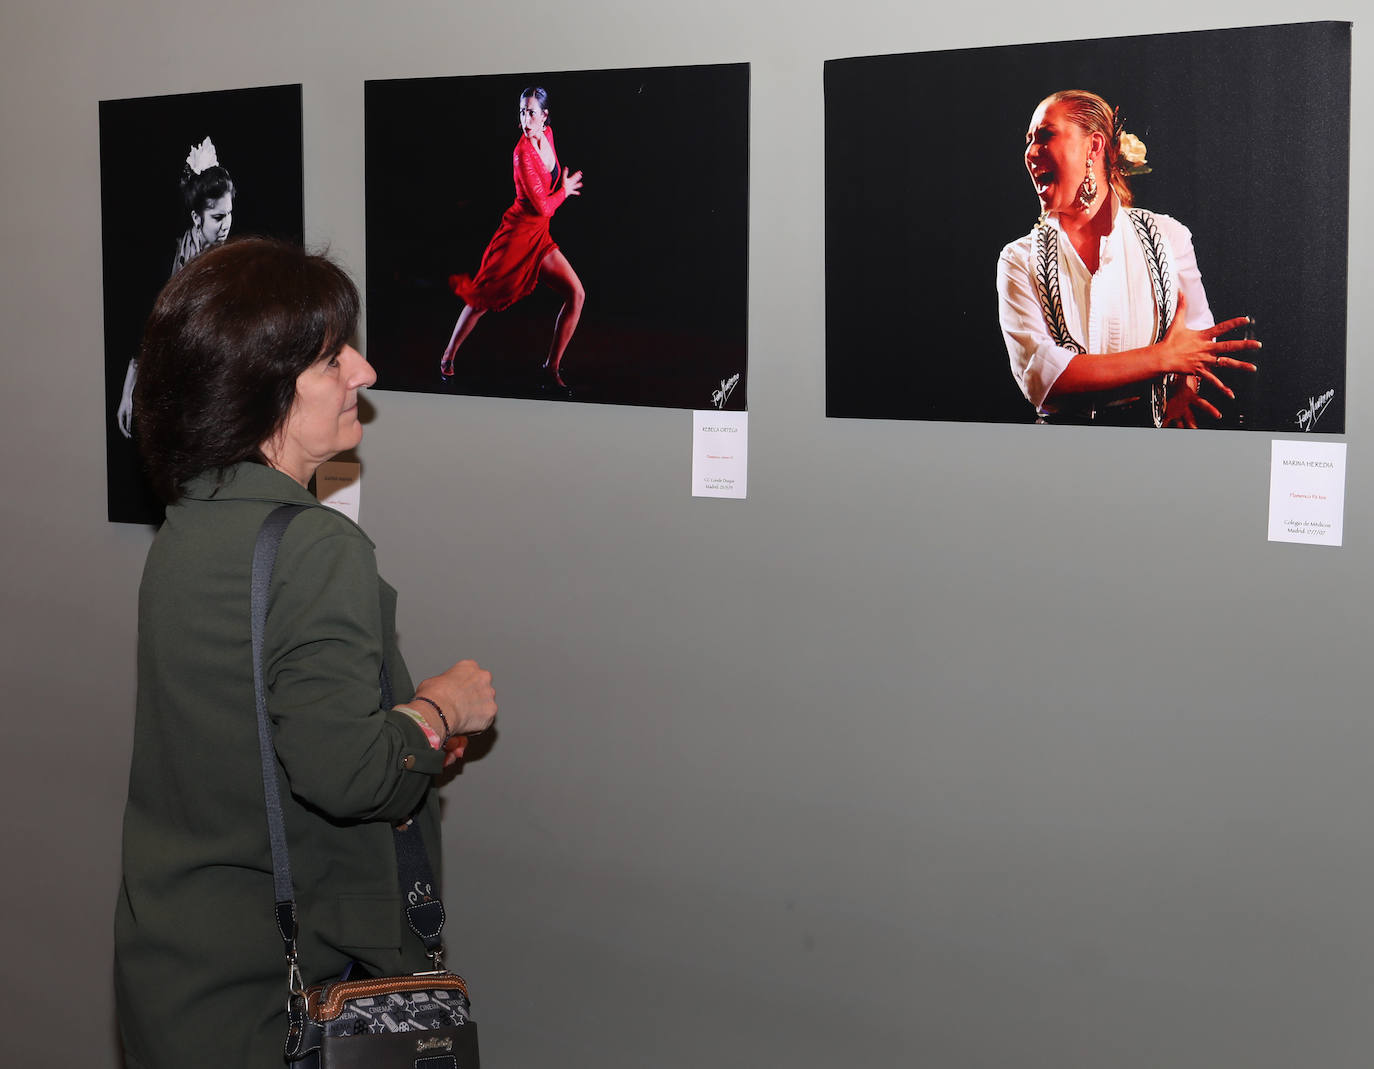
(1106, 312)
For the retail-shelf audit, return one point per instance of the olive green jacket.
(199, 973)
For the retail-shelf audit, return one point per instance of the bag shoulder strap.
(424, 911)
(264, 562)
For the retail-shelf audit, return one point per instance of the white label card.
(1307, 492)
(720, 453)
(338, 484)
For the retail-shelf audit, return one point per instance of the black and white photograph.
(1137, 231)
(568, 236)
(180, 174)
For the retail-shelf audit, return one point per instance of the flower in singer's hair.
(202, 156)
(1132, 154)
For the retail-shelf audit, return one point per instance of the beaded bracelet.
(448, 731)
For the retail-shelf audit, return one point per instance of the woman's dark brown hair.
(226, 340)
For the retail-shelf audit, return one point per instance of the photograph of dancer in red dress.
(522, 253)
(632, 289)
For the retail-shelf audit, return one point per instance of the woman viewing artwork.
(1101, 305)
(208, 193)
(247, 385)
(522, 253)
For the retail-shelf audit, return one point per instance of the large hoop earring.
(1087, 191)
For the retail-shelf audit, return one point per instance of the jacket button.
(409, 761)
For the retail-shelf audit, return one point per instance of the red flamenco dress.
(510, 266)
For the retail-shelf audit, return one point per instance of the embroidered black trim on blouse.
(1152, 242)
(1045, 267)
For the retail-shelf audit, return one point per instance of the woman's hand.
(1184, 403)
(572, 183)
(465, 694)
(124, 414)
(453, 749)
(1197, 352)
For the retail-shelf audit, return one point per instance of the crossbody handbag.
(419, 1021)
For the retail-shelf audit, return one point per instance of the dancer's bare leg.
(467, 319)
(558, 273)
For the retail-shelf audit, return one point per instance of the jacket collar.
(248, 482)
(257, 482)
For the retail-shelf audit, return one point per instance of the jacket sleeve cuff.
(415, 753)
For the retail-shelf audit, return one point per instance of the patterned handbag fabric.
(393, 1021)
(419, 1003)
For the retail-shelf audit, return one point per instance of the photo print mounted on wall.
(580, 235)
(178, 175)
(950, 296)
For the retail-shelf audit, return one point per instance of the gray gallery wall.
(953, 745)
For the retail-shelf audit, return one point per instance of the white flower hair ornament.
(1131, 155)
(202, 156)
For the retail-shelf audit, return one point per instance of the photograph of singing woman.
(1182, 201)
(476, 204)
(208, 193)
(522, 253)
(1102, 305)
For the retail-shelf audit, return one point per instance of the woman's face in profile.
(532, 117)
(323, 420)
(1056, 154)
(212, 223)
